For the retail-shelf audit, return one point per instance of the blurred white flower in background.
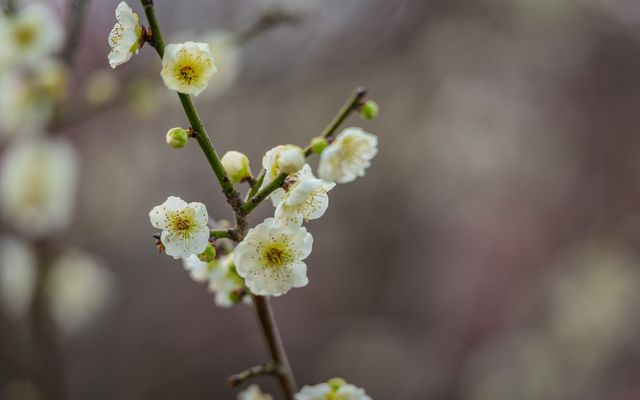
(79, 288)
(348, 156)
(184, 226)
(37, 185)
(228, 56)
(124, 38)
(102, 86)
(270, 258)
(305, 199)
(31, 34)
(253, 392)
(187, 67)
(334, 389)
(17, 276)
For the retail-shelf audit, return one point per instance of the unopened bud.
(318, 144)
(237, 166)
(336, 383)
(291, 159)
(208, 255)
(177, 137)
(369, 110)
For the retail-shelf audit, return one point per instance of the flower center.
(182, 224)
(187, 73)
(25, 35)
(276, 256)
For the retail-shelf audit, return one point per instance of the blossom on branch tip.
(125, 36)
(270, 258)
(187, 67)
(237, 166)
(334, 389)
(184, 226)
(348, 156)
(305, 199)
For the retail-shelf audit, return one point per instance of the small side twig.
(258, 370)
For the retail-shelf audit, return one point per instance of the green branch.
(353, 102)
(253, 372)
(232, 195)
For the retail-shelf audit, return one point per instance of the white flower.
(184, 227)
(270, 258)
(335, 389)
(348, 156)
(17, 276)
(236, 165)
(286, 159)
(305, 199)
(37, 185)
(31, 34)
(24, 110)
(187, 67)
(221, 275)
(79, 288)
(124, 38)
(253, 392)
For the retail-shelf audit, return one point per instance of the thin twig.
(270, 18)
(272, 338)
(256, 186)
(74, 29)
(258, 370)
(221, 233)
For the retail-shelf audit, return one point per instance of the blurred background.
(491, 251)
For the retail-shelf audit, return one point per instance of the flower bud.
(318, 144)
(336, 383)
(237, 166)
(291, 158)
(177, 137)
(208, 255)
(369, 110)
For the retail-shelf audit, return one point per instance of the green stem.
(352, 104)
(221, 234)
(263, 194)
(233, 197)
(256, 185)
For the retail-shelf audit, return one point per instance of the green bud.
(208, 255)
(236, 296)
(336, 383)
(177, 138)
(318, 144)
(369, 110)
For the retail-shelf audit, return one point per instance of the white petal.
(299, 274)
(174, 203)
(159, 217)
(201, 216)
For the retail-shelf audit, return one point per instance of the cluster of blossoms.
(269, 259)
(39, 172)
(334, 389)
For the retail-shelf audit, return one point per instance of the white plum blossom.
(187, 67)
(221, 275)
(31, 34)
(253, 392)
(305, 199)
(184, 226)
(125, 36)
(236, 165)
(37, 185)
(348, 156)
(79, 288)
(286, 159)
(17, 276)
(270, 258)
(334, 389)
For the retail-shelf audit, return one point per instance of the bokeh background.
(491, 251)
